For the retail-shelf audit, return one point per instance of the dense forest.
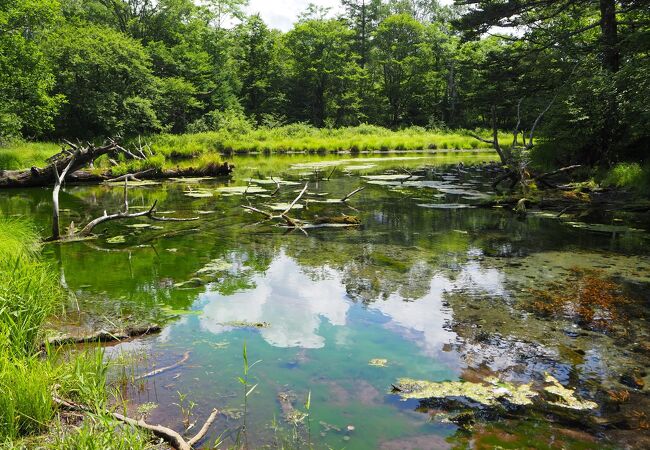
(97, 68)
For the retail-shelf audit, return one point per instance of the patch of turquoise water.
(436, 292)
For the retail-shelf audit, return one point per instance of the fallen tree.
(114, 335)
(87, 230)
(515, 158)
(85, 157)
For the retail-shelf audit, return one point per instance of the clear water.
(435, 288)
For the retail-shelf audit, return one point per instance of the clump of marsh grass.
(29, 294)
(632, 176)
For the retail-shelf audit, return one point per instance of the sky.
(282, 14)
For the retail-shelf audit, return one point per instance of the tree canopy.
(93, 68)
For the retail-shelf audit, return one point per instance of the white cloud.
(284, 296)
(282, 14)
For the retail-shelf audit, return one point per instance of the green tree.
(363, 17)
(260, 68)
(105, 76)
(402, 59)
(27, 104)
(585, 41)
(324, 72)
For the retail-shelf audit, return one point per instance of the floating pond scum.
(419, 325)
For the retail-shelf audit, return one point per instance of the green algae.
(493, 392)
(488, 394)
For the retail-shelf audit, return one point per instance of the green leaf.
(251, 390)
(308, 402)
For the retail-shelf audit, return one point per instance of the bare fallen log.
(155, 372)
(170, 436)
(76, 157)
(105, 335)
(84, 156)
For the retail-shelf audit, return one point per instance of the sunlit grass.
(304, 138)
(632, 176)
(20, 155)
(29, 374)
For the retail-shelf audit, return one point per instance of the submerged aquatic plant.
(493, 392)
(585, 296)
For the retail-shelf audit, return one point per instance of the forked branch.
(170, 436)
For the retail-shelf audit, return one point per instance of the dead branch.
(344, 199)
(130, 176)
(515, 132)
(259, 211)
(556, 172)
(293, 203)
(170, 436)
(277, 187)
(204, 429)
(59, 179)
(153, 373)
(88, 229)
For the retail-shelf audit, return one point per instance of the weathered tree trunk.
(59, 179)
(45, 177)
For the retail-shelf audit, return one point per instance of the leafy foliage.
(93, 68)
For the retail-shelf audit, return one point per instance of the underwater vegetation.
(586, 297)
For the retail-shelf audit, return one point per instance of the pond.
(429, 286)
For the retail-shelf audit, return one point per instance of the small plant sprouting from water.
(308, 416)
(248, 390)
(185, 407)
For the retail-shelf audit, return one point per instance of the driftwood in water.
(319, 222)
(106, 335)
(124, 214)
(155, 372)
(170, 436)
(290, 222)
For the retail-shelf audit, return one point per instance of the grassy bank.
(305, 138)
(30, 376)
(202, 149)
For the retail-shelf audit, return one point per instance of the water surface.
(429, 283)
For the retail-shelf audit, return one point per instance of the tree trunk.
(611, 63)
(609, 36)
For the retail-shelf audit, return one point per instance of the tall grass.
(29, 294)
(19, 155)
(632, 176)
(29, 291)
(305, 138)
